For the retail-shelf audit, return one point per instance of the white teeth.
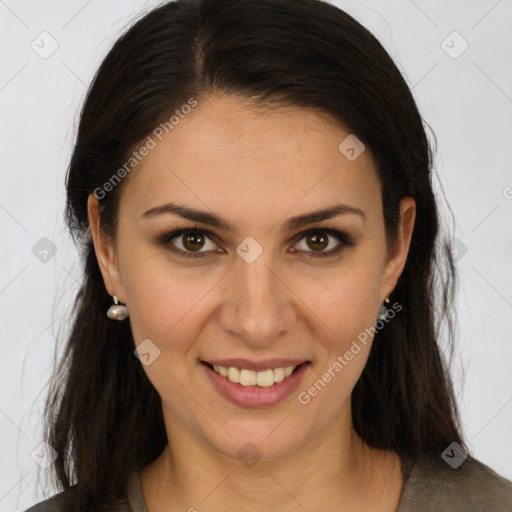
(234, 375)
(264, 379)
(288, 370)
(247, 377)
(278, 374)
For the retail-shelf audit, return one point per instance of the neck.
(335, 468)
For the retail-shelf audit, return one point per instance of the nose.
(258, 305)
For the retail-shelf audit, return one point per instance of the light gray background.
(467, 100)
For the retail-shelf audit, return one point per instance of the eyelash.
(345, 241)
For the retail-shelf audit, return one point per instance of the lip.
(256, 396)
(256, 366)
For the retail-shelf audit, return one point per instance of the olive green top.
(431, 485)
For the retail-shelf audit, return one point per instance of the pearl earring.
(383, 310)
(117, 311)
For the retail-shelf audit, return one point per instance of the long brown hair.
(103, 416)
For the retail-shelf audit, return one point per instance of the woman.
(264, 286)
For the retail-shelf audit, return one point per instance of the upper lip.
(256, 366)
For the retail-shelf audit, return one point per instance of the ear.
(397, 256)
(105, 251)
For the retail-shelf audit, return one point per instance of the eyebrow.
(220, 223)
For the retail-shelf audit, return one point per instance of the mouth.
(246, 377)
(263, 385)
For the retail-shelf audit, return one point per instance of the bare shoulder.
(434, 485)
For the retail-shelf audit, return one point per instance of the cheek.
(161, 298)
(344, 299)
(345, 305)
(165, 307)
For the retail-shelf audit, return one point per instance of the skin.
(256, 168)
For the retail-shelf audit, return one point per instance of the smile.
(263, 385)
(264, 379)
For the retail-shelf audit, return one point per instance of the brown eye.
(186, 242)
(193, 241)
(323, 242)
(317, 241)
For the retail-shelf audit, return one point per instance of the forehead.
(227, 155)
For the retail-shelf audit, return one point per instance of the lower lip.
(256, 396)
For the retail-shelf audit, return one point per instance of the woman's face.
(262, 285)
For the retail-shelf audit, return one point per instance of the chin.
(251, 442)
